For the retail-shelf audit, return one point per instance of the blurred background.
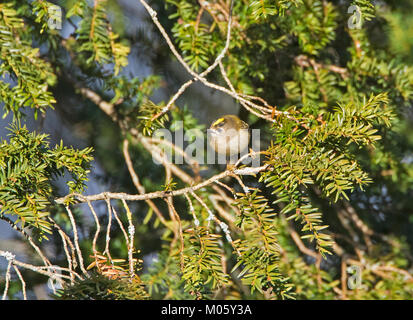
(80, 124)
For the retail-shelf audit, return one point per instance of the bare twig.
(304, 61)
(191, 209)
(68, 240)
(137, 183)
(162, 194)
(180, 59)
(95, 238)
(221, 211)
(107, 248)
(120, 225)
(68, 258)
(41, 269)
(28, 238)
(76, 238)
(249, 105)
(179, 231)
(8, 276)
(296, 238)
(22, 281)
(131, 231)
(192, 162)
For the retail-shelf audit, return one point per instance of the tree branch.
(161, 194)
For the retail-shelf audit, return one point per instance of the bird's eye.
(220, 124)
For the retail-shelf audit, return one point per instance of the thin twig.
(180, 232)
(200, 77)
(28, 238)
(68, 258)
(131, 231)
(191, 209)
(8, 276)
(95, 238)
(221, 211)
(162, 194)
(76, 239)
(180, 59)
(22, 281)
(139, 187)
(107, 249)
(120, 225)
(68, 240)
(192, 162)
(41, 269)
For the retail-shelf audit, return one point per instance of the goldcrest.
(229, 135)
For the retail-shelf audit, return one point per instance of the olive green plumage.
(229, 135)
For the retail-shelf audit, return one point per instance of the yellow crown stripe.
(218, 121)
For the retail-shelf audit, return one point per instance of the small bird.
(229, 136)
